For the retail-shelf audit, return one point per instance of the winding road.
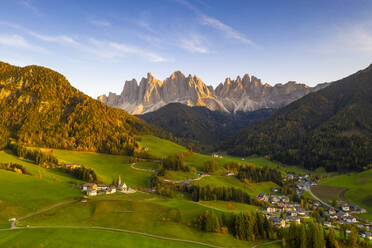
(308, 189)
(140, 169)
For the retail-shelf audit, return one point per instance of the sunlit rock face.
(242, 94)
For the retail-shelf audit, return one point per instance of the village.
(282, 211)
(94, 189)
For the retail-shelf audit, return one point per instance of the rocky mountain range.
(242, 94)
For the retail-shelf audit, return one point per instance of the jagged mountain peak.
(246, 93)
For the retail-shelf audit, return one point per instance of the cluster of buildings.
(92, 189)
(281, 212)
(216, 155)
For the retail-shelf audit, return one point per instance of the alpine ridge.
(242, 94)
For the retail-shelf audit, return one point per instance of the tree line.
(243, 226)
(204, 193)
(14, 167)
(253, 173)
(80, 172)
(314, 236)
(35, 155)
(173, 162)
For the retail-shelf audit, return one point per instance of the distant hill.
(331, 128)
(39, 107)
(200, 125)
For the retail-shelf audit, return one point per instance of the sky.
(99, 44)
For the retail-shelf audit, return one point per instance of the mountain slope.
(39, 107)
(243, 94)
(201, 124)
(331, 128)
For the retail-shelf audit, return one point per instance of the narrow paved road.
(140, 169)
(308, 189)
(115, 230)
(187, 180)
(13, 226)
(267, 243)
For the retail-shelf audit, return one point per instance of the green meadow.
(107, 167)
(82, 238)
(24, 194)
(142, 212)
(359, 187)
(224, 181)
(160, 147)
(139, 212)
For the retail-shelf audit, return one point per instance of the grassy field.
(35, 170)
(252, 188)
(85, 238)
(229, 206)
(107, 167)
(138, 212)
(359, 188)
(329, 193)
(161, 147)
(23, 194)
(180, 175)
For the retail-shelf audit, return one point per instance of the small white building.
(110, 190)
(101, 187)
(345, 208)
(87, 186)
(91, 192)
(122, 187)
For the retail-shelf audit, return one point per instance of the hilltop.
(331, 128)
(39, 107)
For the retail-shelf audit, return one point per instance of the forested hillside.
(38, 107)
(201, 126)
(331, 128)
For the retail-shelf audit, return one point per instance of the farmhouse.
(262, 197)
(88, 186)
(101, 187)
(91, 192)
(215, 155)
(332, 211)
(110, 190)
(345, 208)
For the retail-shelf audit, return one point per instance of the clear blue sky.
(98, 45)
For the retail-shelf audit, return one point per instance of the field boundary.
(114, 230)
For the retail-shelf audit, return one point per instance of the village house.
(101, 187)
(271, 209)
(87, 186)
(331, 211)
(110, 190)
(350, 219)
(91, 192)
(301, 212)
(345, 208)
(262, 197)
(215, 155)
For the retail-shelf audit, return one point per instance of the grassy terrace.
(24, 194)
(107, 167)
(137, 212)
(253, 188)
(359, 188)
(82, 238)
